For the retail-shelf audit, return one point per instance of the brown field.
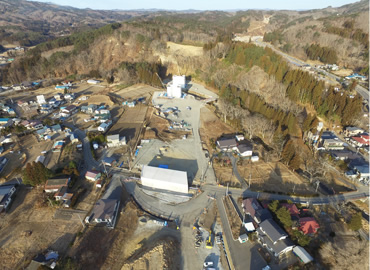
(136, 91)
(225, 175)
(100, 99)
(273, 176)
(233, 217)
(25, 214)
(212, 127)
(130, 123)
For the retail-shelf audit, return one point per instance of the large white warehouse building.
(174, 88)
(166, 179)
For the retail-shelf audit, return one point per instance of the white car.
(208, 264)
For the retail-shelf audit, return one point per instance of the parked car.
(208, 264)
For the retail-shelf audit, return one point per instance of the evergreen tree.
(273, 206)
(356, 222)
(284, 217)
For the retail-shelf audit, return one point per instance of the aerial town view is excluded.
(147, 137)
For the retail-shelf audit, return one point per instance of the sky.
(201, 4)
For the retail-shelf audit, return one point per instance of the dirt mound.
(164, 255)
(99, 99)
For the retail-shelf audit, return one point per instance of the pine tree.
(356, 222)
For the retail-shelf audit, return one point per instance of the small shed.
(302, 254)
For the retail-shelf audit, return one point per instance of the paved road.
(329, 76)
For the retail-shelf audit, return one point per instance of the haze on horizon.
(201, 5)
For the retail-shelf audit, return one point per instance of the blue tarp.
(163, 166)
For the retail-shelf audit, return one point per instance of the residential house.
(58, 96)
(7, 192)
(333, 144)
(245, 149)
(292, 208)
(56, 128)
(308, 225)
(115, 140)
(345, 155)
(68, 111)
(361, 140)
(58, 145)
(274, 238)
(73, 138)
(129, 104)
(89, 109)
(106, 209)
(40, 159)
(60, 193)
(54, 184)
(93, 175)
(352, 131)
(105, 212)
(17, 87)
(252, 207)
(44, 260)
(104, 126)
(239, 137)
(102, 118)
(43, 132)
(109, 161)
(34, 124)
(5, 122)
(226, 144)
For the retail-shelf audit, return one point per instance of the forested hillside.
(332, 35)
(27, 23)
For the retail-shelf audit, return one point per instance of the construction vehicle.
(209, 241)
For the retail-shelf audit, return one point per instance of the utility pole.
(79, 217)
(317, 183)
(105, 169)
(249, 182)
(293, 189)
(227, 189)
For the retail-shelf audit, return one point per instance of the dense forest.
(324, 54)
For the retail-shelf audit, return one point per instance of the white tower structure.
(174, 88)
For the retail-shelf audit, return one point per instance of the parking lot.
(189, 149)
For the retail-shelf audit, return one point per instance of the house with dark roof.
(308, 225)
(54, 184)
(245, 148)
(274, 238)
(227, 144)
(252, 207)
(106, 209)
(352, 131)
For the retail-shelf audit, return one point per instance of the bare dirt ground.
(273, 176)
(233, 217)
(184, 50)
(343, 72)
(47, 54)
(26, 214)
(136, 91)
(133, 244)
(100, 99)
(212, 127)
(164, 255)
(208, 218)
(224, 175)
(130, 123)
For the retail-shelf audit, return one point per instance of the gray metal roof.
(272, 230)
